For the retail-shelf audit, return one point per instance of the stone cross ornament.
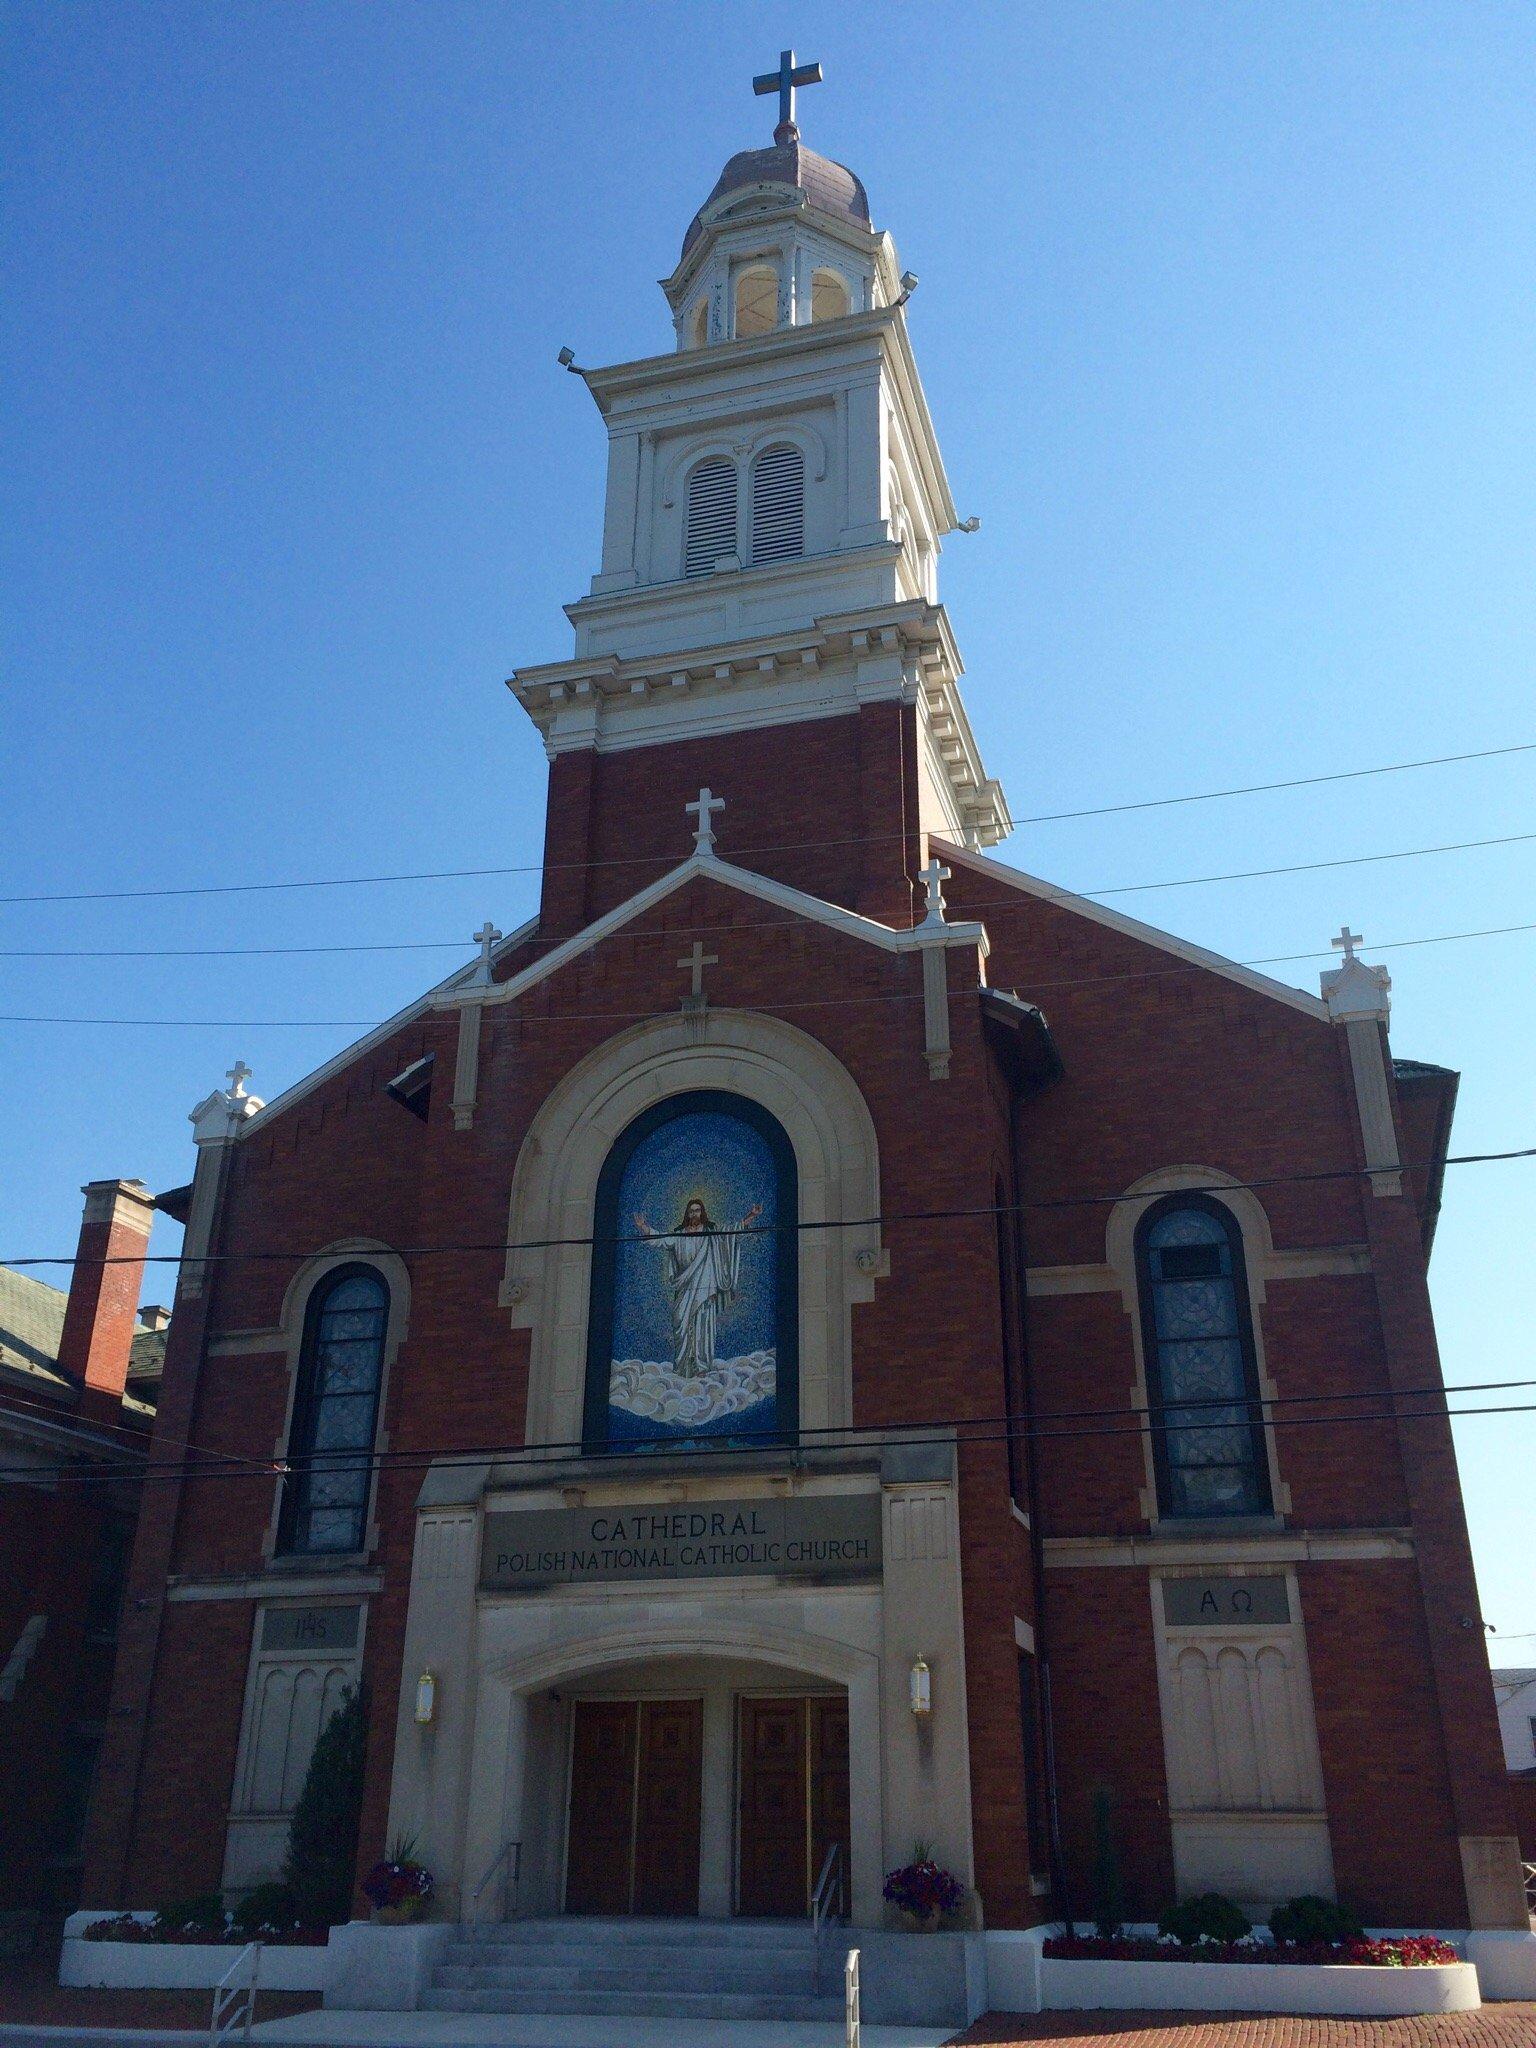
(704, 809)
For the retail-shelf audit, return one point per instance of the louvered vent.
(778, 505)
(711, 515)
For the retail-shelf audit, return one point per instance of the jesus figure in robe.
(702, 1271)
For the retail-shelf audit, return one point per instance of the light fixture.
(922, 1687)
(567, 361)
(426, 1698)
(971, 525)
(908, 286)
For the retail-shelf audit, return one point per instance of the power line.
(791, 846)
(1158, 803)
(958, 1431)
(502, 1246)
(704, 931)
(1125, 889)
(384, 1460)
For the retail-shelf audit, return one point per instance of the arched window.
(829, 296)
(694, 1325)
(1202, 1380)
(757, 301)
(778, 504)
(711, 515)
(700, 322)
(335, 1413)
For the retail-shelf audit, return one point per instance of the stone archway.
(511, 1783)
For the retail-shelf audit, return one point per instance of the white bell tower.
(776, 498)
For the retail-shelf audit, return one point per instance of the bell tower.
(776, 504)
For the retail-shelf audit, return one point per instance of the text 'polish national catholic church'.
(820, 1342)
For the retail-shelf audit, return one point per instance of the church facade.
(821, 1342)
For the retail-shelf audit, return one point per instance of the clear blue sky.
(1225, 322)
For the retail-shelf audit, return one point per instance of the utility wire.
(754, 924)
(806, 846)
(384, 1460)
(1013, 1428)
(883, 1220)
(1129, 888)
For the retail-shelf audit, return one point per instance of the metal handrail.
(512, 1847)
(852, 2025)
(1528, 1871)
(828, 1885)
(234, 1998)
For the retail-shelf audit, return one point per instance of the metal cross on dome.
(783, 82)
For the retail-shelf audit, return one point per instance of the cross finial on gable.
(485, 939)
(783, 82)
(1346, 942)
(933, 877)
(237, 1077)
(704, 810)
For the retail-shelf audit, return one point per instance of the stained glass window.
(1209, 1440)
(325, 1503)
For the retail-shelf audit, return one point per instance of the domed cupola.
(783, 239)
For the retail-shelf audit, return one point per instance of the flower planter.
(1345, 1989)
(184, 1966)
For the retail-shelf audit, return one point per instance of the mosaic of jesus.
(693, 1348)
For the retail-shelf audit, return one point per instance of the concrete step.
(708, 2005)
(647, 1973)
(672, 1934)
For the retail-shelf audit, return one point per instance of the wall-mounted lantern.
(426, 1698)
(922, 1687)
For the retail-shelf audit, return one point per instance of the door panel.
(671, 1737)
(827, 1748)
(598, 1860)
(634, 1814)
(772, 1832)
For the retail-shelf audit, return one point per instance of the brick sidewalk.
(1496, 2026)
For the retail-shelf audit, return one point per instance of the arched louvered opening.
(778, 504)
(829, 296)
(711, 515)
(757, 301)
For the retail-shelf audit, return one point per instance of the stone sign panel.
(1217, 1602)
(309, 1628)
(822, 1536)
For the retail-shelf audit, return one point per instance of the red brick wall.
(49, 1536)
(1160, 1069)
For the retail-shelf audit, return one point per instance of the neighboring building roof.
(831, 188)
(31, 1320)
(31, 1323)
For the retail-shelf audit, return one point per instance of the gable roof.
(710, 866)
(1133, 928)
(422, 1006)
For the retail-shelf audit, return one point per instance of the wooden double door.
(633, 1846)
(793, 1801)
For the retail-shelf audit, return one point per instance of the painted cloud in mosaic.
(695, 1339)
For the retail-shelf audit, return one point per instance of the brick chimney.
(102, 1311)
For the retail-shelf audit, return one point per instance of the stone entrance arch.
(516, 1774)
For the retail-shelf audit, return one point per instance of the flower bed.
(1414, 1951)
(131, 1928)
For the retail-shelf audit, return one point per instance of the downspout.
(1037, 1542)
